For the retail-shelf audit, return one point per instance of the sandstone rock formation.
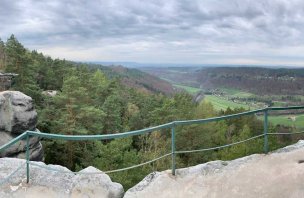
(48, 183)
(278, 174)
(17, 115)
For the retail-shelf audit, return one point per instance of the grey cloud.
(201, 26)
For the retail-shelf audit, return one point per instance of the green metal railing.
(172, 125)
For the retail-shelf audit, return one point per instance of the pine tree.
(19, 61)
(2, 56)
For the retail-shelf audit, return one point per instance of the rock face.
(50, 183)
(278, 174)
(17, 115)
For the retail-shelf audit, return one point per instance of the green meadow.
(191, 90)
(236, 93)
(222, 104)
(286, 120)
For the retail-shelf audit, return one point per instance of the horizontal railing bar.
(95, 173)
(220, 147)
(13, 141)
(285, 108)
(138, 165)
(286, 133)
(147, 130)
(99, 137)
(199, 121)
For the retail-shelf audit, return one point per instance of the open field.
(191, 90)
(222, 104)
(279, 103)
(287, 121)
(236, 93)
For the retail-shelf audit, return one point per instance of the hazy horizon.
(229, 32)
(169, 64)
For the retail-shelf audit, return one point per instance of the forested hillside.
(256, 80)
(137, 79)
(259, 81)
(90, 102)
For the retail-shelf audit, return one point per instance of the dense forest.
(91, 101)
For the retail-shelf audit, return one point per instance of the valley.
(227, 87)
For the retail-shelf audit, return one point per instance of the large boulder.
(17, 112)
(100, 183)
(17, 115)
(47, 182)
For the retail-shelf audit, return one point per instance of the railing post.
(27, 158)
(173, 149)
(265, 131)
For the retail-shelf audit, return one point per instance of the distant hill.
(257, 80)
(175, 75)
(137, 79)
(261, 81)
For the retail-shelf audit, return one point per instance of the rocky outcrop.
(50, 93)
(50, 183)
(279, 174)
(6, 80)
(17, 115)
(100, 183)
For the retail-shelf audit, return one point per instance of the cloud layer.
(176, 31)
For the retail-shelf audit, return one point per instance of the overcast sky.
(160, 31)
